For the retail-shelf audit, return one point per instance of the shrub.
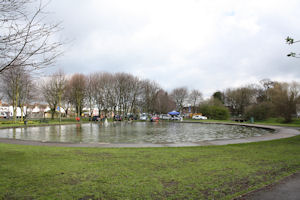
(260, 111)
(214, 111)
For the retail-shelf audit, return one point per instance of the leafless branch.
(26, 41)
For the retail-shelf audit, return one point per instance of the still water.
(137, 132)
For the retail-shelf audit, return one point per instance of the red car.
(154, 119)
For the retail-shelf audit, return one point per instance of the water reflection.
(14, 134)
(138, 132)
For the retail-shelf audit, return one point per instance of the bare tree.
(115, 92)
(77, 87)
(134, 90)
(112, 97)
(238, 99)
(49, 95)
(27, 92)
(60, 87)
(195, 98)
(103, 91)
(53, 90)
(66, 98)
(11, 88)
(90, 87)
(120, 90)
(26, 40)
(127, 89)
(285, 97)
(163, 102)
(16, 85)
(263, 90)
(179, 95)
(148, 96)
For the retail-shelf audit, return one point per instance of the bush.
(260, 111)
(214, 111)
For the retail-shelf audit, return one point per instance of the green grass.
(271, 121)
(19, 123)
(211, 172)
(209, 120)
(280, 122)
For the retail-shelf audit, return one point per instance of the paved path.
(286, 189)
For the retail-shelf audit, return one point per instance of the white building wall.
(18, 112)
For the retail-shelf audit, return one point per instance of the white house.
(7, 111)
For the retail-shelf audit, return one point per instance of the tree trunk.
(15, 105)
(91, 112)
(78, 111)
(59, 105)
(22, 112)
(52, 113)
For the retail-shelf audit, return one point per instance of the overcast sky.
(208, 45)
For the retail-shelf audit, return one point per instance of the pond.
(134, 133)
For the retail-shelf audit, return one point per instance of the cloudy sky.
(201, 44)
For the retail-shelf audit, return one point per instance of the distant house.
(37, 110)
(7, 111)
(4, 111)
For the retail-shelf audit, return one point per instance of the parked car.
(165, 116)
(3, 115)
(96, 118)
(143, 117)
(199, 117)
(154, 118)
(117, 118)
(176, 117)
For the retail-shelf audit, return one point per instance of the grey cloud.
(238, 45)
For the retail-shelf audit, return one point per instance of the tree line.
(263, 100)
(124, 93)
(120, 93)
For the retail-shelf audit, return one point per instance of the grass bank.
(272, 121)
(280, 122)
(38, 122)
(211, 172)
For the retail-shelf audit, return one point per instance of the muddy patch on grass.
(171, 183)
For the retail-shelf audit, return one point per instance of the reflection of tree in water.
(14, 133)
(79, 132)
(52, 134)
(91, 129)
(137, 132)
(59, 130)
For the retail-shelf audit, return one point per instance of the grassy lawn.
(271, 121)
(209, 120)
(211, 172)
(280, 122)
(19, 123)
